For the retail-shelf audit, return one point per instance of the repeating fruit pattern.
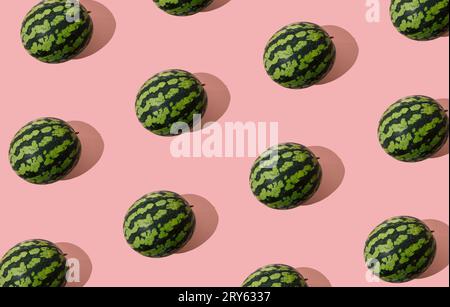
(285, 176)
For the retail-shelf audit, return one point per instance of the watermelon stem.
(203, 84)
(64, 255)
(76, 132)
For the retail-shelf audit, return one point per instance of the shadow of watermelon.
(333, 173)
(216, 5)
(79, 264)
(347, 52)
(314, 278)
(206, 218)
(444, 150)
(441, 234)
(92, 148)
(219, 97)
(104, 27)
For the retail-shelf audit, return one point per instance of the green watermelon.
(299, 55)
(169, 98)
(44, 150)
(413, 129)
(159, 224)
(400, 249)
(55, 31)
(420, 20)
(182, 7)
(285, 176)
(33, 263)
(275, 275)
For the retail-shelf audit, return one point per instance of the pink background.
(122, 161)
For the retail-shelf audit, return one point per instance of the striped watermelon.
(413, 129)
(169, 98)
(55, 31)
(182, 7)
(159, 224)
(44, 150)
(400, 249)
(285, 176)
(420, 20)
(33, 263)
(299, 55)
(275, 275)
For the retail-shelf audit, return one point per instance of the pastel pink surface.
(227, 42)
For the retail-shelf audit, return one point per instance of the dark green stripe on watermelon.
(285, 176)
(420, 19)
(275, 275)
(44, 151)
(299, 55)
(159, 224)
(55, 31)
(182, 7)
(400, 249)
(34, 263)
(413, 129)
(169, 98)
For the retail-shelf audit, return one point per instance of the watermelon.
(420, 20)
(159, 224)
(168, 99)
(400, 249)
(413, 129)
(285, 176)
(55, 31)
(275, 275)
(33, 263)
(44, 150)
(182, 7)
(299, 55)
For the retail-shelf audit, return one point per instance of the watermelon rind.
(45, 150)
(159, 224)
(285, 176)
(275, 276)
(299, 55)
(414, 128)
(55, 31)
(400, 249)
(33, 263)
(420, 20)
